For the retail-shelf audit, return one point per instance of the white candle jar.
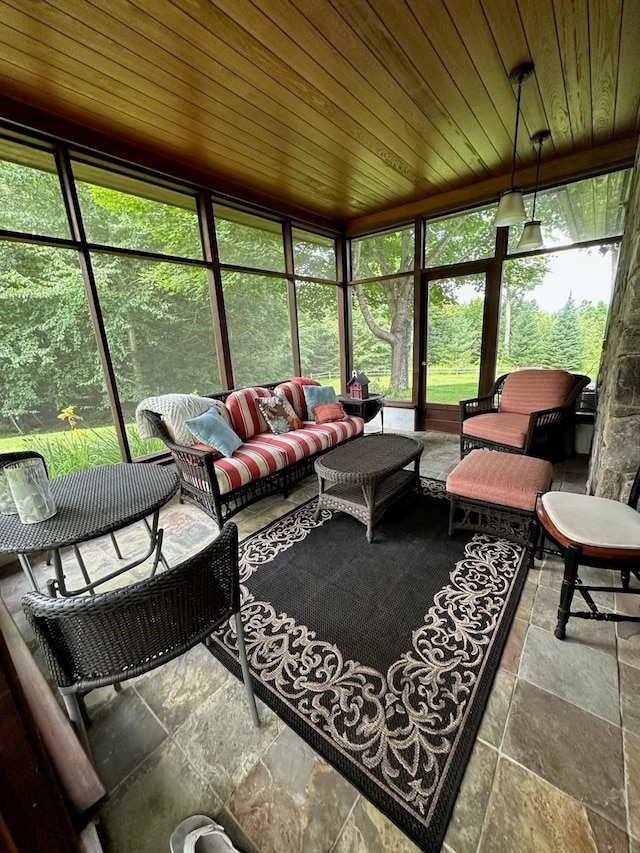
(30, 490)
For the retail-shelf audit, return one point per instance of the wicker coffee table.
(364, 477)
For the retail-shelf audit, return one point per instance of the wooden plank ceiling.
(344, 108)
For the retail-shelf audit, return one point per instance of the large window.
(248, 241)
(259, 328)
(554, 310)
(318, 331)
(314, 256)
(382, 311)
(461, 237)
(592, 209)
(54, 397)
(383, 335)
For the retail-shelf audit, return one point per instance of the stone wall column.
(615, 455)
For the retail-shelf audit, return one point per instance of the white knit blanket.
(175, 409)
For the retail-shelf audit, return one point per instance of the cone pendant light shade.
(531, 234)
(511, 208)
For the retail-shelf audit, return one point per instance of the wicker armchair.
(531, 412)
(98, 640)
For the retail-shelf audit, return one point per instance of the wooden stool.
(495, 492)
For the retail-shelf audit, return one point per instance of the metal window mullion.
(419, 327)
(72, 206)
(216, 292)
(292, 298)
(345, 323)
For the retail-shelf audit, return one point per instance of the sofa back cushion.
(294, 395)
(243, 410)
(526, 391)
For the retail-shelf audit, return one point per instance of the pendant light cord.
(515, 137)
(535, 189)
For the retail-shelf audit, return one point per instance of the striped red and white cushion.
(246, 419)
(336, 431)
(250, 462)
(526, 391)
(295, 395)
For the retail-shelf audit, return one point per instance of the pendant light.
(531, 235)
(511, 208)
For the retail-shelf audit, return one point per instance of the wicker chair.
(531, 412)
(104, 639)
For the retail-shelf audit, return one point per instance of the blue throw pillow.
(212, 429)
(315, 395)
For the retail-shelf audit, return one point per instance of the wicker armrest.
(477, 406)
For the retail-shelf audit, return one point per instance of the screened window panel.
(318, 332)
(245, 240)
(386, 307)
(136, 218)
(592, 209)
(54, 397)
(30, 195)
(159, 328)
(257, 312)
(459, 238)
(314, 255)
(554, 310)
(383, 254)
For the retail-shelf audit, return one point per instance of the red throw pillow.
(326, 412)
(303, 380)
(199, 445)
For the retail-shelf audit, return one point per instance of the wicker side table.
(366, 476)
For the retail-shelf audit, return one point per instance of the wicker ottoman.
(495, 492)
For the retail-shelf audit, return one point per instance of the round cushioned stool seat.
(588, 520)
(506, 479)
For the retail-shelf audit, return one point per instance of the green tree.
(564, 344)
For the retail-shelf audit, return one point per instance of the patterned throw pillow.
(326, 412)
(279, 414)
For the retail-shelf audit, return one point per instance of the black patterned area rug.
(382, 655)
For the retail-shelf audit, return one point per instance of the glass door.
(452, 364)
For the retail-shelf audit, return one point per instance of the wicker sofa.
(263, 465)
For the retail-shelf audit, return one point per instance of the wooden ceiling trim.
(362, 124)
(296, 110)
(427, 122)
(415, 64)
(604, 25)
(572, 26)
(582, 164)
(513, 49)
(184, 96)
(628, 91)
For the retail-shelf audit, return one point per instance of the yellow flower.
(68, 414)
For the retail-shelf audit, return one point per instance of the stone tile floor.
(556, 766)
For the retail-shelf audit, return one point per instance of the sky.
(583, 272)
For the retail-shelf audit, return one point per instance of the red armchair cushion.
(502, 427)
(526, 391)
